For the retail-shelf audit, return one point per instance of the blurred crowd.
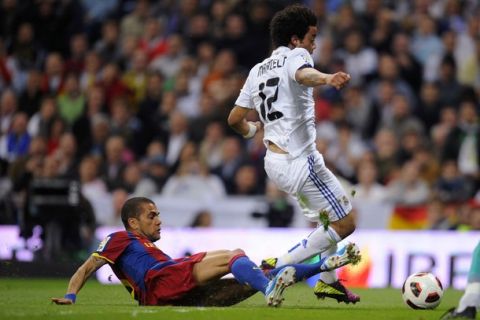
(122, 97)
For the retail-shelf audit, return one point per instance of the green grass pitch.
(30, 299)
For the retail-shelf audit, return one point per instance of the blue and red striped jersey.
(130, 256)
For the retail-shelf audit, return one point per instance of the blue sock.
(247, 272)
(302, 271)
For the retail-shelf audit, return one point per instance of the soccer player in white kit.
(470, 301)
(280, 89)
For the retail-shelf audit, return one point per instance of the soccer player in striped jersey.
(280, 89)
(153, 278)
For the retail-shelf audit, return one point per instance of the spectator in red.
(113, 85)
(153, 40)
(169, 63)
(53, 77)
(223, 65)
(57, 128)
(5, 73)
(78, 50)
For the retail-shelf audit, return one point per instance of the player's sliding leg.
(348, 254)
(247, 272)
(285, 276)
(283, 279)
(470, 301)
(323, 241)
(219, 293)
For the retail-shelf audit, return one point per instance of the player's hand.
(258, 124)
(253, 128)
(62, 301)
(338, 80)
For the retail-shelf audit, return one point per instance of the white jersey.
(285, 107)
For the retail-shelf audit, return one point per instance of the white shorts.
(311, 182)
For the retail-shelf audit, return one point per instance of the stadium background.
(102, 100)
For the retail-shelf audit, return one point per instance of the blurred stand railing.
(236, 212)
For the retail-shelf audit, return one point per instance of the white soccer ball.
(422, 290)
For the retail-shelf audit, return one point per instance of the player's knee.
(345, 227)
(237, 252)
(349, 229)
(351, 223)
(233, 256)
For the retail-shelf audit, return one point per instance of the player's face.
(149, 222)
(308, 42)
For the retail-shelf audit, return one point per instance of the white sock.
(317, 242)
(329, 276)
(471, 297)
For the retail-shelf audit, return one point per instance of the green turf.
(30, 299)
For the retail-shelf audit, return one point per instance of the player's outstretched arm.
(79, 278)
(311, 77)
(237, 121)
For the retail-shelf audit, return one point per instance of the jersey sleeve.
(112, 246)
(299, 58)
(245, 97)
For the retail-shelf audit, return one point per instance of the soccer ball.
(422, 290)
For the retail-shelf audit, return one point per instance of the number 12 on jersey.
(269, 94)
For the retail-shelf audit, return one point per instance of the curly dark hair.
(131, 209)
(293, 20)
